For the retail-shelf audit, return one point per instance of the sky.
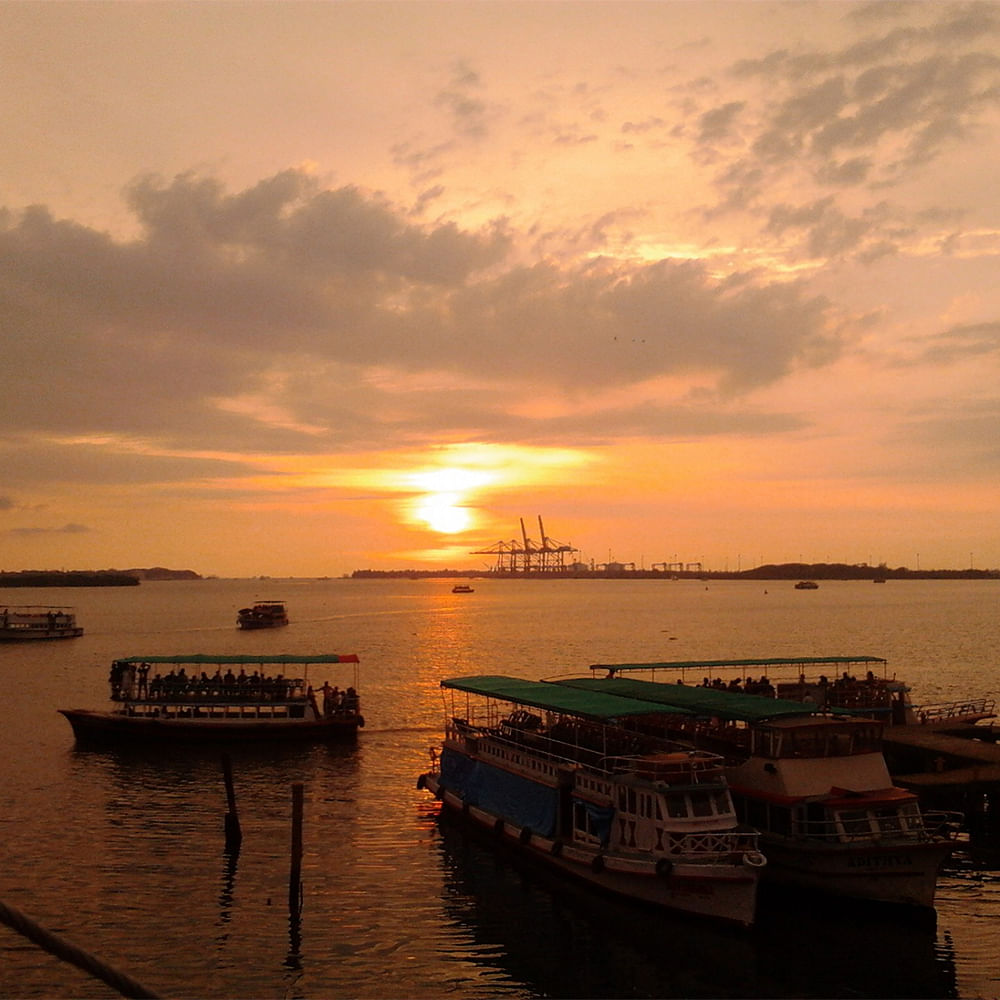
(294, 289)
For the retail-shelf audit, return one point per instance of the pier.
(954, 767)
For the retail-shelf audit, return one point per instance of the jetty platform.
(950, 767)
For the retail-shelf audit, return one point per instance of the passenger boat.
(462, 588)
(807, 585)
(552, 773)
(816, 786)
(263, 614)
(37, 621)
(246, 699)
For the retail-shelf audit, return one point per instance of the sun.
(441, 512)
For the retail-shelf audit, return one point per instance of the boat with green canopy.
(198, 698)
(814, 784)
(553, 772)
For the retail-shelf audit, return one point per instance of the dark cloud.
(66, 529)
(869, 115)
(962, 343)
(285, 317)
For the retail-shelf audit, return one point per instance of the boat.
(815, 785)
(550, 772)
(38, 621)
(263, 614)
(246, 700)
(462, 588)
(807, 585)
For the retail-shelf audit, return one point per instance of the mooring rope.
(68, 952)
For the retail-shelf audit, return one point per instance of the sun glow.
(443, 512)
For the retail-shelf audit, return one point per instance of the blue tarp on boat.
(515, 799)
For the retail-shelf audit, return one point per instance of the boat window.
(676, 806)
(888, 820)
(723, 803)
(701, 804)
(856, 822)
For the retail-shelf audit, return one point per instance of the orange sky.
(296, 289)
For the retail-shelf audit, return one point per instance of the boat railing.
(971, 709)
(867, 827)
(691, 767)
(290, 692)
(714, 846)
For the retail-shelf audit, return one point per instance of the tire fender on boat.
(597, 865)
(664, 867)
(361, 722)
(557, 846)
(422, 782)
(525, 835)
(498, 827)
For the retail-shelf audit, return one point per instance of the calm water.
(123, 853)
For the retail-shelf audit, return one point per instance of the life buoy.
(664, 867)
(597, 865)
(525, 835)
(754, 859)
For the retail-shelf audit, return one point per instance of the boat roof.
(780, 661)
(690, 700)
(557, 697)
(202, 658)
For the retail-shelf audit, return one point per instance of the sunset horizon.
(296, 290)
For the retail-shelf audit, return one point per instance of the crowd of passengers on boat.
(131, 681)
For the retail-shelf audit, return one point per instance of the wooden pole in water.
(295, 873)
(234, 836)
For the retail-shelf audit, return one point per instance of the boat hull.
(896, 874)
(691, 888)
(113, 728)
(32, 634)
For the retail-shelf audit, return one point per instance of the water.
(123, 852)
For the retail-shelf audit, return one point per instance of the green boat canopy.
(783, 661)
(202, 658)
(690, 700)
(550, 697)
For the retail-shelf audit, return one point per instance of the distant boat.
(37, 621)
(807, 585)
(260, 703)
(878, 579)
(264, 614)
(462, 588)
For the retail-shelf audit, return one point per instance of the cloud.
(258, 320)
(66, 529)
(874, 113)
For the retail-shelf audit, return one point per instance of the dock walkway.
(939, 763)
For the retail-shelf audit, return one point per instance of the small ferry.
(462, 588)
(807, 585)
(816, 786)
(263, 614)
(551, 772)
(37, 621)
(233, 699)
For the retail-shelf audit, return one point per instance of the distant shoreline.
(98, 578)
(784, 571)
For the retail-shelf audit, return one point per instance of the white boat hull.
(897, 874)
(729, 895)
